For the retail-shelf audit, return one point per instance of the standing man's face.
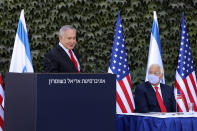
(68, 40)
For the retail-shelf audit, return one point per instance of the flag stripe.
(1, 98)
(23, 36)
(120, 103)
(182, 94)
(1, 82)
(1, 124)
(193, 83)
(122, 85)
(1, 112)
(155, 32)
(188, 91)
(192, 91)
(1, 94)
(129, 88)
(1, 104)
(179, 108)
(129, 81)
(118, 109)
(194, 76)
(182, 86)
(123, 97)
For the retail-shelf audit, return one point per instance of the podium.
(60, 102)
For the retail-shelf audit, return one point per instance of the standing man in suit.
(62, 58)
(153, 96)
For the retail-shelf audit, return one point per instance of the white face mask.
(153, 79)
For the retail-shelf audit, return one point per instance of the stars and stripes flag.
(178, 98)
(185, 79)
(155, 54)
(21, 56)
(1, 104)
(119, 66)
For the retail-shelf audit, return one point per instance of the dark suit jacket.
(146, 101)
(57, 60)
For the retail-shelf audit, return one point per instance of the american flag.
(1, 104)
(179, 99)
(178, 95)
(119, 66)
(185, 80)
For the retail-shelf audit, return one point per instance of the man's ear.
(60, 38)
(161, 75)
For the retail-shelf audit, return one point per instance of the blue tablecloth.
(149, 123)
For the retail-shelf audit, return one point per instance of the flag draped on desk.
(21, 56)
(1, 104)
(185, 79)
(119, 66)
(155, 54)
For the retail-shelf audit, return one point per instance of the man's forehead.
(70, 33)
(70, 30)
(154, 67)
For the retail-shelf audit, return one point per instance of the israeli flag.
(155, 54)
(21, 57)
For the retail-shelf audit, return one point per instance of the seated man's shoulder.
(166, 86)
(145, 84)
(141, 86)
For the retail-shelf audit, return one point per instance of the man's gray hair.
(161, 68)
(65, 28)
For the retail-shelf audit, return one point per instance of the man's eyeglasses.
(155, 73)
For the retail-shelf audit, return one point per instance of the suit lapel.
(151, 93)
(66, 58)
(164, 94)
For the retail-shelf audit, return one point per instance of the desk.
(157, 122)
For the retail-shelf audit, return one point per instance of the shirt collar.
(67, 50)
(157, 86)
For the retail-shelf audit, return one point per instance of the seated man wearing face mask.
(153, 96)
